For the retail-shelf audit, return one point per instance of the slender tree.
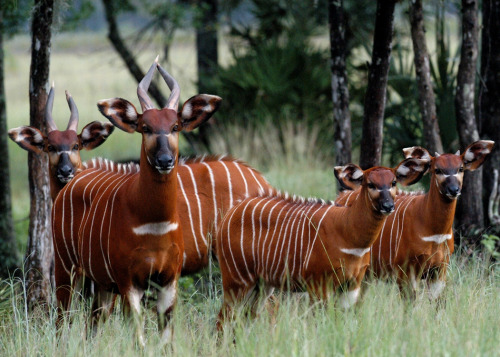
(373, 119)
(40, 252)
(470, 206)
(206, 51)
(489, 94)
(426, 97)
(8, 249)
(340, 91)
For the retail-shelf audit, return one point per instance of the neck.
(364, 223)
(438, 209)
(154, 193)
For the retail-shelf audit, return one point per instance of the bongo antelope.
(119, 225)
(416, 241)
(207, 186)
(308, 244)
(63, 147)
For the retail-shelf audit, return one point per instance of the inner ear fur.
(28, 138)
(411, 170)
(197, 110)
(94, 134)
(120, 112)
(349, 177)
(475, 154)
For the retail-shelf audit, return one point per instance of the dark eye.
(393, 183)
(438, 172)
(461, 169)
(76, 147)
(371, 186)
(51, 148)
(175, 128)
(146, 130)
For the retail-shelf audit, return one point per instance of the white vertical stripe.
(300, 236)
(309, 225)
(267, 268)
(189, 214)
(242, 280)
(242, 176)
(212, 182)
(199, 204)
(243, 236)
(229, 184)
(261, 189)
(253, 230)
(263, 248)
(316, 235)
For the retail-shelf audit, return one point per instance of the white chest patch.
(437, 238)
(156, 228)
(359, 252)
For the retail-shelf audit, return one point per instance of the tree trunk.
(489, 103)
(207, 55)
(40, 252)
(470, 206)
(426, 98)
(127, 57)
(8, 248)
(373, 119)
(340, 91)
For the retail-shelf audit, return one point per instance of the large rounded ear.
(94, 134)
(28, 138)
(349, 176)
(476, 153)
(417, 152)
(120, 112)
(197, 110)
(411, 170)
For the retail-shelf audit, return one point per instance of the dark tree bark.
(207, 54)
(373, 119)
(470, 207)
(127, 56)
(426, 98)
(8, 248)
(340, 91)
(489, 103)
(40, 252)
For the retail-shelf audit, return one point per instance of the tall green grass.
(466, 322)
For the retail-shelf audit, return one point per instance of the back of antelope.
(118, 225)
(416, 241)
(63, 147)
(307, 244)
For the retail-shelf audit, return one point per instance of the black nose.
(164, 161)
(65, 170)
(387, 207)
(453, 190)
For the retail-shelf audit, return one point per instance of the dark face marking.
(160, 134)
(447, 173)
(63, 148)
(381, 184)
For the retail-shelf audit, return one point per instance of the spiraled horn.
(73, 119)
(142, 89)
(173, 100)
(51, 125)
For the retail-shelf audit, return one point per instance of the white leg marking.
(348, 299)
(436, 288)
(166, 297)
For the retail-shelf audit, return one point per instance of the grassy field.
(465, 323)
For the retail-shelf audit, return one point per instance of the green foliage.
(15, 14)
(277, 75)
(491, 242)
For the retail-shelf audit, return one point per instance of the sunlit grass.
(466, 322)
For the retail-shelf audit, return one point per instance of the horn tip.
(53, 84)
(157, 59)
